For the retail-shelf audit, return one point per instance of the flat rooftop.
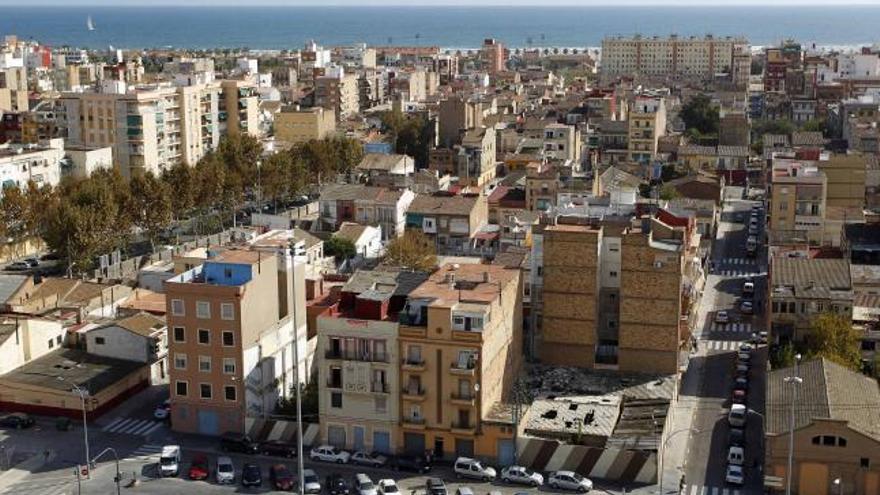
(90, 372)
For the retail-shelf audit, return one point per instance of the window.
(228, 366)
(612, 274)
(336, 399)
(99, 340)
(203, 309)
(179, 334)
(177, 307)
(229, 392)
(381, 404)
(51, 343)
(865, 462)
(204, 336)
(180, 361)
(205, 390)
(181, 388)
(58, 340)
(228, 338)
(205, 364)
(227, 311)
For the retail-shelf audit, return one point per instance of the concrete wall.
(118, 343)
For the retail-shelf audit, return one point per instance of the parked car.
(722, 317)
(373, 459)
(739, 397)
(569, 480)
(435, 486)
(414, 463)
(17, 420)
(32, 262)
(17, 266)
(747, 308)
(388, 487)
(163, 410)
(741, 383)
(737, 416)
(472, 468)
(336, 484)
(748, 289)
(734, 475)
(232, 442)
(198, 468)
(280, 477)
(329, 453)
(742, 369)
(311, 482)
(736, 455)
(464, 490)
(251, 475)
(278, 448)
(364, 485)
(521, 476)
(225, 471)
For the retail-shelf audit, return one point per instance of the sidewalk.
(26, 468)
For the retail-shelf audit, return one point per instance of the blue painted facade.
(232, 274)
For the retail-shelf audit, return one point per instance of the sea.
(277, 28)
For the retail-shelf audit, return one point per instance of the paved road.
(716, 356)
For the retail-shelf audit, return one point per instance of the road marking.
(151, 429)
(119, 426)
(112, 424)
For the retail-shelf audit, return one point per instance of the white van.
(737, 416)
(169, 461)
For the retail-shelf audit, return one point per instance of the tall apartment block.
(339, 92)
(492, 56)
(295, 125)
(460, 342)
(647, 123)
(232, 324)
(359, 363)
(13, 89)
(677, 57)
(240, 113)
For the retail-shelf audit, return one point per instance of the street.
(715, 359)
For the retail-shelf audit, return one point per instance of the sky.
(585, 3)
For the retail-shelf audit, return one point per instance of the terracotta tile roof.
(142, 324)
(443, 205)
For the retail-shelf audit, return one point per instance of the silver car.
(569, 480)
(521, 476)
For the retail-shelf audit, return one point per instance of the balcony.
(467, 335)
(340, 355)
(463, 428)
(414, 394)
(413, 364)
(412, 332)
(463, 400)
(413, 423)
(463, 369)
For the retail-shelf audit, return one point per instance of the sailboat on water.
(89, 24)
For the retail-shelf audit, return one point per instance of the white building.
(141, 337)
(84, 161)
(24, 339)
(38, 163)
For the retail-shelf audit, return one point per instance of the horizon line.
(447, 3)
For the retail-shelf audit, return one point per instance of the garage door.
(209, 423)
(336, 436)
(358, 438)
(813, 479)
(414, 443)
(382, 442)
(464, 448)
(505, 452)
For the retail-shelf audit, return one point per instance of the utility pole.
(794, 381)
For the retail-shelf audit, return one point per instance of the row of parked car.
(738, 416)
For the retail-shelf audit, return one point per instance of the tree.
(150, 206)
(181, 184)
(14, 213)
(775, 126)
(340, 248)
(412, 251)
(700, 114)
(833, 337)
(668, 192)
(814, 125)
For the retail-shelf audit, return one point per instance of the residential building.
(141, 337)
(562, 142)
(456, 116)
(846, 179)
(233, 324)
(836, 444)
(366, 205)
(13, 89)
(801, 289)
(338, 91)
(294, 125)
(647, 122)
(149, 129)
(451, 222)
(460, 342)
(676, 57)
(734, 128)
(84, 160)
(367, 240)
(359, 361)
(40, 164)
(242, 108)
(24, 339)
(381, 164)
(542, 186)
(492, 56)
(797, 199)
(476, 157)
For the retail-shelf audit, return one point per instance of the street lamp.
(82, 395)
(793, 380)
(118, 477)
(662, 453)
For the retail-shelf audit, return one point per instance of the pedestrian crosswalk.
(146, 453)
(739, 261)
(740, 273)
(54, 484)
(709, 490)
(721, 345)
(732, 327)
(131, 426)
